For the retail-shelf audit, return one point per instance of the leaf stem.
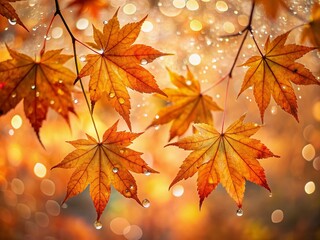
(225, 105)
(45, 37)
(255, 42)
(85, 45)
(74, 40)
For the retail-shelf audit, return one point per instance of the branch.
(247, 29)
(74, 40)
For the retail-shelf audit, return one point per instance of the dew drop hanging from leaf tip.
(146, 203)
(97, 225)
(239, 212)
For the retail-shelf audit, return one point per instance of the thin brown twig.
(74, 40)
(245, 31)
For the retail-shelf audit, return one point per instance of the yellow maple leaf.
(187, 105)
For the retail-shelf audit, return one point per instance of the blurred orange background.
(31, 193)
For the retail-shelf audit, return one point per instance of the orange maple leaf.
(119, 65)
(312, 30)
(93, 7)
(272, 74)
(101, 164)
(229, 158)
(188, 105)
(8, 11)
(41, 83)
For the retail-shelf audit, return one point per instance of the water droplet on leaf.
(270, 194)
(97, 225)
(105, 22)
(239, 212)
(143, 62)
(112, 94)
(115, 170)
(33, 87)
(127, 193)
(60, 91)
(121, 100)
(32, 3)
(12, 21)
(146, 172)
(13, 95)
(82, 58)
(146, 203)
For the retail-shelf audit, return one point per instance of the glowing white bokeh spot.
(308, 152)
(222, 6)
(147, 26)
(16, 121)
(40, 170)
(310, 187)
(179, 3)
(129, 9)
(82, 24)
(177, 190)
(195, 25)
(277, 216)
(192, 5)
(194, 59)
(57, 32)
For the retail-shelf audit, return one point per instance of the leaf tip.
(39, 139)
(200, 203)
(170, 144)
(116, 13)
(55, 166)
(171, 185)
